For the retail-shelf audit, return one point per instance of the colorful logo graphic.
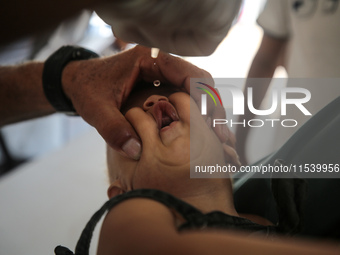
(208, 92)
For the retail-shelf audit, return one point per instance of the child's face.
(161, 117)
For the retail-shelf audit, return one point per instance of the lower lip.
(172, 124)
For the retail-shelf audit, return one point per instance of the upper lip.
(164, 113)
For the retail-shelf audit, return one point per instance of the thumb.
(117, 132)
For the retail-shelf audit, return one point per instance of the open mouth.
(164, 114)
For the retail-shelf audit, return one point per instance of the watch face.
(79, 53)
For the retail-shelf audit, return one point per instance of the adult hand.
(241, 147)
(185, 75)
(99, 87)
(180, 73)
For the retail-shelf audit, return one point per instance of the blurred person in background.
(304, 37)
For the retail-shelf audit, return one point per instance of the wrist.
(53, 75)
(69, 79)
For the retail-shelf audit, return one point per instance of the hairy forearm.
(21, 93)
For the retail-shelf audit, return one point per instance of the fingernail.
(132, 148)
(238, 162)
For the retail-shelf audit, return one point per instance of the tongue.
(164, 114)
(166, 121)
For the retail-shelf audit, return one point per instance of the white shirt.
(313, 30)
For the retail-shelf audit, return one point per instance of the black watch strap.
(52, 75)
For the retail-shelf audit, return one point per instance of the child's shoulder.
(138, 220)
(141, 213)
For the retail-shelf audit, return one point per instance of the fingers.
(169, 69)
(178, 72)
(145, 126)
(221, 130)
(214, 109)
(243, 160)
(231, 155)
(242, 153)
(193, 80)
(116, 131)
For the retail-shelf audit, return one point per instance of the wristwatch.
(52, 75)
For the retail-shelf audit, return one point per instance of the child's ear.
(115, 189)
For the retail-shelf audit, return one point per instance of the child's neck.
(207, 198)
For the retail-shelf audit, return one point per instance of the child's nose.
(151, 100)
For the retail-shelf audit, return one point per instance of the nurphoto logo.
(204, 97)
(280, 98)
